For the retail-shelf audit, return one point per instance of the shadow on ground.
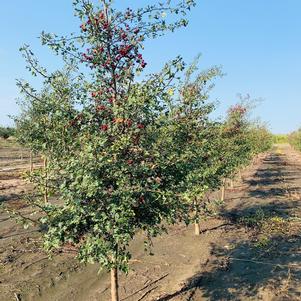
(245, 270)
(243, 273)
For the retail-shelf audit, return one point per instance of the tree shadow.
(9, 197)
(242, 267)
(244, 272)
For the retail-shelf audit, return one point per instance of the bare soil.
(250, 251)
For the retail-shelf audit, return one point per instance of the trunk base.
(114, 284)
(197, 230)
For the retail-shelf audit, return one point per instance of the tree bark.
(46, 181)
(197, 230)
(223, 190)
(114, 284)
(30, 162)
(196, 216)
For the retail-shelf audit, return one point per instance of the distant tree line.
(6, 132)
(294, 139)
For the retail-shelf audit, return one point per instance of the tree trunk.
(197, 228)
(231, 184)
(46, 181)
(30, 161)
(114, 284)
(223, 190)
(196, 216)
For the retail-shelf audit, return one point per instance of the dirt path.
(264, 262)
(251, 251)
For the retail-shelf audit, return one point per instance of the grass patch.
(267, 228)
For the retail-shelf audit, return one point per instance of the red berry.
(100, 108)
(104, 127)
(83, 27)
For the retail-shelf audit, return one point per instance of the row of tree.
(7, 132)
(294, 139)
(124, 152)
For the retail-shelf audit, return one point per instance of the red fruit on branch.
(130, 162)
(104, 127)
(83, 27)
(129, 122)
(100, 108)
(143, 64)
(140, 126)
(101, 16)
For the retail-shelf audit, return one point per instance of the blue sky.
(257, 42)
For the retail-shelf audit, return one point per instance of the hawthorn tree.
(261, 138)
(6, 132)
(125, 152)
(41, 125)
(242, 140)
(236, 148)
(294, 139)
(194, 132)
(113, 176)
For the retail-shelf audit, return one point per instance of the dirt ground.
(250, 251)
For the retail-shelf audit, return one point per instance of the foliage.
(267, 227)
(195, 134)
(242, 139)
(295, 139)
(107, 137)
(280, 138)
(261, 139)
(7, 132)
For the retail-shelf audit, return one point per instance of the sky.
(257, 43)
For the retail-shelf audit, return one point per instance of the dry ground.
(250, 251)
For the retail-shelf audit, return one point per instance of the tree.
(113, 178)
(294, 139)
(41, 125)
(6, 132)
(242, 138)
(194, 133)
